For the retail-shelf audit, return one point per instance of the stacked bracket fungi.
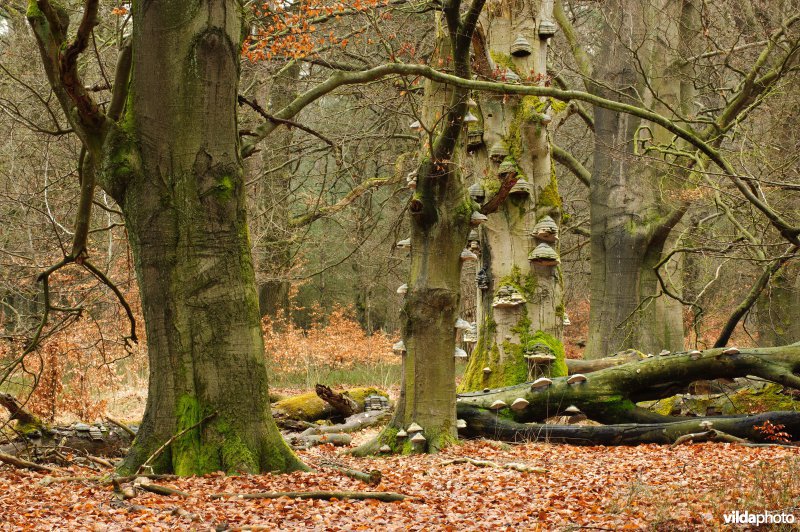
(545, 232)
(508, 297)
(539, 357)
(521, 47)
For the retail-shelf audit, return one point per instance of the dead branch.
(384, 496)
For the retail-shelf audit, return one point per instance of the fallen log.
(342, 404)
(481, 423)
(311, 440)
(354, 423)
(309, 407)
(610, 395)
(588, 366)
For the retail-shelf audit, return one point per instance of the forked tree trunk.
(632, 207)
(185, 215)
(440, 212)
(515, 42)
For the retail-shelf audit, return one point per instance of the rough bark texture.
(519, 124)
(777, 322)
(185, 216)
(610, 395)
(441, 211)
(272, 254)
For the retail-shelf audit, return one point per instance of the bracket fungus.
(498, 151)
(477, 218)
(399, 347)
(576, 378)
(402, 289)
(545, 230)
(544, 255)
(541, 383)
(463, 325)
(414, 427)
(477, 192)
(519, 404)
(521, 188)
(468, 256)
(506, 168)
(521, 47)
(547, 29)
(404, 244)
(498, 405)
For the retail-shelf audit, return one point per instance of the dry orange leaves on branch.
(292, 30)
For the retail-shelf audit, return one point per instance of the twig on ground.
(384, 496)
(516, 466)
(19, 462)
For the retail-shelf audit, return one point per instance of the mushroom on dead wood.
(576, 379)
(541, 383)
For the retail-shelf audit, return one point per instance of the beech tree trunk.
(167, 151)
(632, 207)
(519, 126)
(185, 216)
(441, 213)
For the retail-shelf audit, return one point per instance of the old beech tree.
(167, 150)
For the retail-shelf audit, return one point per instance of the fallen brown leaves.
(652, 487)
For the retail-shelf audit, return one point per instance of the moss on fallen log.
(610, 395)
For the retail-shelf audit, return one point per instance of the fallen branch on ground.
(516, 466)
(19, 462)
(373, 478)
(384, 496)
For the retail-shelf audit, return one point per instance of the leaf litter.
(647, 487)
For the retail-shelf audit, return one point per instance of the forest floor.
(688, 487)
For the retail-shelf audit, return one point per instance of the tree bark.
(631, 218)
(519, 125)
(185, 215)
(484, 424)
(441, 212)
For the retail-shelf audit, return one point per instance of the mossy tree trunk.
(633, 209)
(172, 163)
(441, 212)
(518, 126)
